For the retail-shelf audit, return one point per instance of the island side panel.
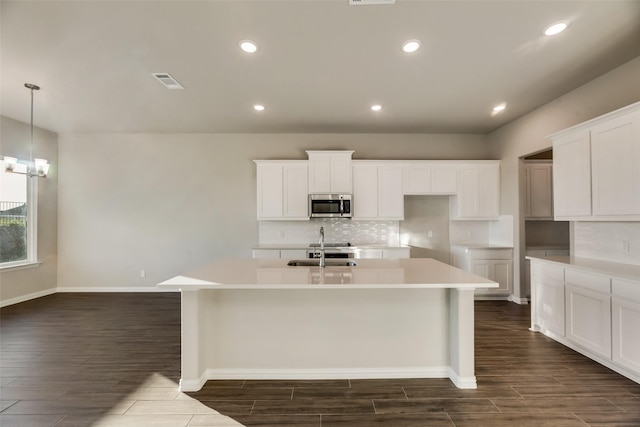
(461, 319)
(193, 374)
(326, 333)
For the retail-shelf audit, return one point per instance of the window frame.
(32, 226)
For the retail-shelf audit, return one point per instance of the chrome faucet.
(322, 259)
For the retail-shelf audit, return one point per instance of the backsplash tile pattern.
(604, 241)
(335, 230)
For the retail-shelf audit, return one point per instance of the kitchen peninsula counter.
(262, 319)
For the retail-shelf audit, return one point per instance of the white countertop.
(248, 273)
(613, 269)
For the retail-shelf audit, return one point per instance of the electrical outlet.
(143, 273)
(625, 246)
(430, 233)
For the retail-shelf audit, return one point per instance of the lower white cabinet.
(280, 253)
(594, 313)
(588, 319)
(625, 325)
(492, 263)
(547, 298)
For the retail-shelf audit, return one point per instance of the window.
(17, 214)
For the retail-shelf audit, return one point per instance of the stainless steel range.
(332, 250)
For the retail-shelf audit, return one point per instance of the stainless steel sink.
(316, 263)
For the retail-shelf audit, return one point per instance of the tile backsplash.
(335, 230)
(608, 241)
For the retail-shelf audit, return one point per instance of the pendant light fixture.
(35, 167)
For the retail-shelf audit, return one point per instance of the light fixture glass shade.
(411, 46)
(10, 163)
(42, 167)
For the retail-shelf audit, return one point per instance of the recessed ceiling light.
(248, 46)
(499, 108)
(258, 107)
(376, 107)
(556, 28)
(411, 46)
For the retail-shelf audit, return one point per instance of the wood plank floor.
(114, 360)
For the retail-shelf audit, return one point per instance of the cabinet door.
(368, 254)
(478, 192)
(319, 174)
(270, 191)
(341, 178)
(295, 203)
(444, 179)
(482, 268)
(588, 319)
(539, 194)
(503, 274)
(625, 327)
(572, 175)
(390, 196)
(365, 191)
(615, 167)
(548, 303)
(417, 179)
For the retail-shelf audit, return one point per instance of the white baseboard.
(519, 300)
(325, 374)
(111, 289)
(27, 297)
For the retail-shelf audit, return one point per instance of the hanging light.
(35, 167)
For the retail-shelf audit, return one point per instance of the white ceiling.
(320, 65)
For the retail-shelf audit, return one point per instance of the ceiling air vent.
(369, 2)
(167, 80)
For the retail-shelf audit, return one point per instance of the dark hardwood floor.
(114, 360)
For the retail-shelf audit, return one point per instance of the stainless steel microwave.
(330, 206)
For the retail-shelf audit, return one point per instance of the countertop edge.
(613, 269)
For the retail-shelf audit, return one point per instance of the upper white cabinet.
(615, 166)
(282, 190)
(597, 168)
(377, 190)
(539, 190)
(430, 178)
(478, 191)
(330, 172)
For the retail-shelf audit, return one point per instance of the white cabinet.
(572, 175)
(600, 315)
(492, 263)
(588, 311)
(330, 172)
(396, 253)
(282, 190)
(538, 191)
(625, 325)
(280, 253)
(478, 192)
(615, 167)
(430, 178)
(547, 298)
(368, 254)
(597, 168)
(377, 191)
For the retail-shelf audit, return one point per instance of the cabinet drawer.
(626, 290)
(491, 254)
(547, 271)
(588, 280)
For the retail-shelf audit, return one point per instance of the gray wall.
(528, 134)
(15, 284)
(169, 203)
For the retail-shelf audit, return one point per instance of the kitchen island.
(383, 318)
